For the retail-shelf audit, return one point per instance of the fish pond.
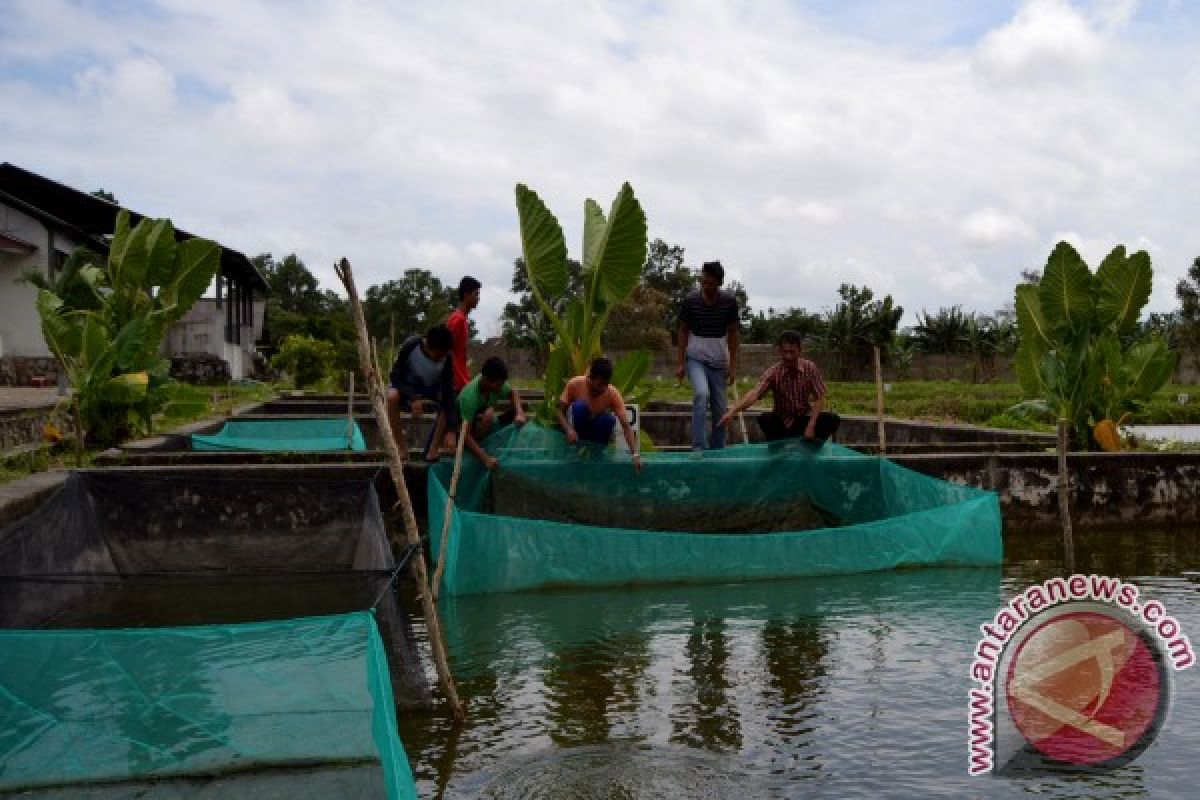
(847, 686)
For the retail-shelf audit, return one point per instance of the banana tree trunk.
(1064, 509)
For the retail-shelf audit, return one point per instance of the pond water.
(852, 686)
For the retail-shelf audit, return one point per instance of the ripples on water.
(849, 686)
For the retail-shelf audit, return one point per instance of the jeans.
(708, 391)
(597, 429)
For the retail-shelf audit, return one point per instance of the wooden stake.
(378, 398)
(879, 401)
(449, 512)
(1064, 509)
(350, 414)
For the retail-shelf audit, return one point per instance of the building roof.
(93, 218)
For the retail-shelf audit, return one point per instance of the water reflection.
(850, 686)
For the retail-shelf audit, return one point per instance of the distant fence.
(755, 358)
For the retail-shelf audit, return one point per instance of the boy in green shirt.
(477, 402)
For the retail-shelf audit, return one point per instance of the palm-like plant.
(1072, 359)
(107, 330)
(614, 254)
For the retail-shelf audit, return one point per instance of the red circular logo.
(1084, 688)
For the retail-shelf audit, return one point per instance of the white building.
(42, 222)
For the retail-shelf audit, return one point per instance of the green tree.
(858, 324)
(306, 359)
(1188, 292)
(945, 332)
(407, 305)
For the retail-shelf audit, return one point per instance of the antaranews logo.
(1078, 669)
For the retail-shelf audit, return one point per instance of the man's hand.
(637, 462)
(519, 419)
(433, 455)
(725, 419)
(417, 407)
(810, 430)
(572, 436)
(731, 378)
(679, 373)
(491, 463)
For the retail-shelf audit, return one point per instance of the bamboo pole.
(449, 512)
(1064, 509)
(375, 392)
(350, 414)
(879, 401)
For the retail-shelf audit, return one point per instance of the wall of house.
(202, 331)
(20, 328)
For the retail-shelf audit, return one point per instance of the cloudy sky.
(930, 149)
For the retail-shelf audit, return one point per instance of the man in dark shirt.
(708, 351)
(422, 373)
(799, 393)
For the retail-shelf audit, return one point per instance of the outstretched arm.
(751, 397)
(631, 440)
(479, 452)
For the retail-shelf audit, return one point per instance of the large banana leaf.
(1123, 287)
(196, 264)
(119, 247)
(130, 269)
(160, 253)
(1065, 291)
(1149, 364)
(629, 371)
(1032, 327)
(542, 245)
(594, 225)
(1029, 370)
(62, 331)
(621, 255)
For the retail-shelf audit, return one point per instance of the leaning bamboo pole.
(448, 515)
(1064, 494)
(375, 392)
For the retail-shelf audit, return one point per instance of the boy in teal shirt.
(477, 402)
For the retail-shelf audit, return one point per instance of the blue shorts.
(597, 429)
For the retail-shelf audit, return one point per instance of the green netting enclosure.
(131, 547)
(294, 435)
(556, 515)
(299, 708)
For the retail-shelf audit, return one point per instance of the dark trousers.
(774, 429)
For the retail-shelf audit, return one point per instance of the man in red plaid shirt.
(799, 393)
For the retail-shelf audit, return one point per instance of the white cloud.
(811, 211)
(988, 227)
(1047, 38)
(801, 155)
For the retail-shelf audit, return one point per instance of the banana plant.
(614, 254)
(1074, 329)
(109, 345)
(1073, 358)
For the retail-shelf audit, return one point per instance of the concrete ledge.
(19, 498)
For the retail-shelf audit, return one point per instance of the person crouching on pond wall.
(477, 402)
(708, 351)
(423, 373)
(799, 394)
(590, 407)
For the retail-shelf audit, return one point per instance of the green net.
(297, 708)
(554, 514)
(295, 435)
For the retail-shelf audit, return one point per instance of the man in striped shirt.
(799, 394)
(708, 352)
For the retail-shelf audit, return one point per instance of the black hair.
(494, 369)
(791, 337)
(715, 269)
(601, 368)
(466, 286)
(439, 337)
